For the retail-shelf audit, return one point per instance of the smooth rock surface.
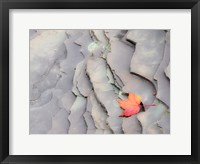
(131, 125)
(163, 82)
(148, 51)
(149, 119)
(76, 118)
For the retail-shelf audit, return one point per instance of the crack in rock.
(148, 51)
(132, 83)
(150, 117)
(77, 76)
(96, 69)
(91, 128)
(98, 114)
(163, 92)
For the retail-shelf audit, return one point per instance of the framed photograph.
(99, 81)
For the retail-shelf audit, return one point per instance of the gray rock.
(77, 122)
(118, 81)
(115, 34)
(149, 119)
(99, 114)
(45, 50)
(91, 129)
(67, 101)
(163, 82)
(65, 82)
(148, 51)
(154, 129)
(32, 33)
(167, 71)
(100, 36)
(78, 69)
(164, 123)
(84, 41)
(83, 82)
(96, 69)
(68, 65)
(40, 121)
(60, 123)
(119, 60)
(49, 80)
(110, 75)
(73, 54)
(107, 131)
(44, 98)
(52, 106)
(99, 131)
(131, 125)
(97, 65)
(100, 46)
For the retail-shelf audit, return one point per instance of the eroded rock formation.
(77, 76)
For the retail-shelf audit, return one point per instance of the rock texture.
(77, 77)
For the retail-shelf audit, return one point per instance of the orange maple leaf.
(131, 105)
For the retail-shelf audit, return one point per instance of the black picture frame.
(5, 5)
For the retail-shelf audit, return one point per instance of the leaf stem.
(149, 105)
